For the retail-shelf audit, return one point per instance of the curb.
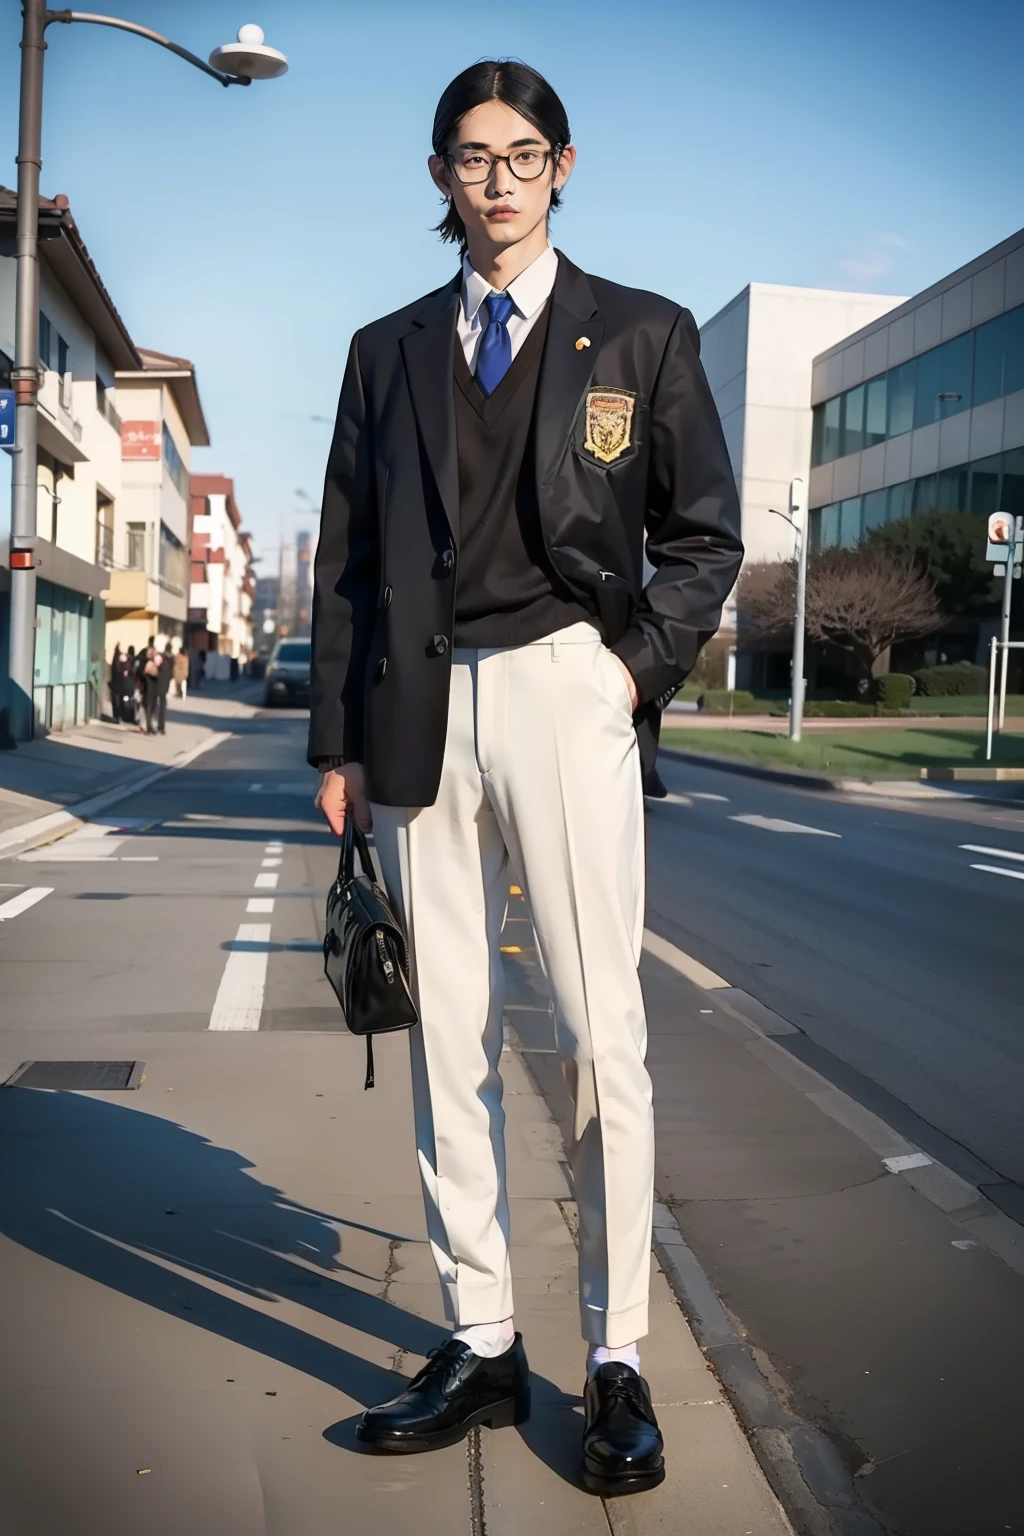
(59, 823)
(840, 784)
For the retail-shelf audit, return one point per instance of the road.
(892, 937)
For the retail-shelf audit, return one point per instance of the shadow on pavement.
(112, 1194)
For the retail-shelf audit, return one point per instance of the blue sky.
(870, 146)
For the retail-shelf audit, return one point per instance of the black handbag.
(366, 958)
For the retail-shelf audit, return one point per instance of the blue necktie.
(495, 355)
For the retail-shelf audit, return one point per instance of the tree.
(950, 548)
(860, 601)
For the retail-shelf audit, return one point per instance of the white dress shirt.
(529, 293)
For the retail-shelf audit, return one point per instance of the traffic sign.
(1005, 535)
(8, 418)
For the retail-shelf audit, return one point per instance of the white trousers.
(541, 785)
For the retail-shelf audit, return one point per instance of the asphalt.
(205, 1278)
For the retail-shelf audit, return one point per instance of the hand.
(342, 793)
(634, 692)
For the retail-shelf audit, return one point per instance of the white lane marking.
(775, 824)
(685, 964)
(695, 796)
(260, 904)
(85, 846)
(254, 789)
(995, 853)
(671, 799)
(296, 787)
(18, 904)
(139, 858)
(271, 863)
(267, 882)
(239, 1003)
(994, 869)
(909, 1160)
(274, 848)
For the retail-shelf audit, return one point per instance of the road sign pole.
(798, 516)
(1013, 552)
(992, 652)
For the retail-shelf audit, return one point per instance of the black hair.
(517, 86)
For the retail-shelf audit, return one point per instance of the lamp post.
(234, 64)
(797, 516)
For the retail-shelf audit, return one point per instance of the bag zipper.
(387, 965)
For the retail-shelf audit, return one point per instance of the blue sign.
(7, 418)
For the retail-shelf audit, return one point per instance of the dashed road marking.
(260, 904)
(995, 869)
(19, 904)
(776, 824)
(239, 1003)
(267, 882)
(271, 863)
(909, 1160)
(995, 853)
(704, 796)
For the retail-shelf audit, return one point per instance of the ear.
(563, 170)
(439, 174)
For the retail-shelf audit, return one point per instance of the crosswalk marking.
(239, 1003)
(19, 904)
(776, 824)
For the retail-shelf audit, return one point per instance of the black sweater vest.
(506, 592)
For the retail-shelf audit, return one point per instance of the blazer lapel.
(565, 370)
(428, 352)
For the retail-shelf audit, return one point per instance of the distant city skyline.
(253, 231)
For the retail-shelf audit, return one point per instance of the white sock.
(600, 1354)
(488, 1339)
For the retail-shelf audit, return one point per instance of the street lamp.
(797, 517)
(234, 64)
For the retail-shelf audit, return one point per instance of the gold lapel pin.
(584, 341)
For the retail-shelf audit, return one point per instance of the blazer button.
(439, 644)
(388, 595)
(448, 560)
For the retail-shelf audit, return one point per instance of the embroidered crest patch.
(609, 423)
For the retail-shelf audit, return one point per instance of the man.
(166, 661)
(180, 672)
(484, 659)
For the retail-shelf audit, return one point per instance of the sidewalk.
(54, 772)
(213, 1276)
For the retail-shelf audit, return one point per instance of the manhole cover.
(86, 1076)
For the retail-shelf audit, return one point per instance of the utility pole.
(798, 517)
(1014, 550)
(25, 378)
(232, 64)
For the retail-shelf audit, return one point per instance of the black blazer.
(384, 588)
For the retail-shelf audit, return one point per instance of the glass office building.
(923, 410)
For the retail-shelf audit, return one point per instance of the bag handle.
(353, 840)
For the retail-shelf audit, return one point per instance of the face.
(502, 210)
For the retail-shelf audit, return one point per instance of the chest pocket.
(610, 427)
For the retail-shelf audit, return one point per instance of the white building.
(82, 344)
(222, 584)
(162, 421)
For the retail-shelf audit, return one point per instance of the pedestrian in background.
(485, 657)
(181, 673)
(122, 688)
(149, 681)
(163, 687)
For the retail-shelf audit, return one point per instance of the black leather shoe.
(455, 1390)
(623, 1451)
(654, 786)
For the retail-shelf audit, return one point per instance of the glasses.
(472, 166)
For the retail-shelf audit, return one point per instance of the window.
(999, 356)
(104, 530)
(875, 394)
(831, 438)
(850, 521)
(105, 404)
(900, 501)
(45, 334)
(53, 349)
(875, 509)
(943, 381)
(1012, 499)
(175, 468)
(136, 546)
(951, 490)
(901, 398)
(853, 420)
(173, 561)
(830, 525)
(817, 434)
(297, 651)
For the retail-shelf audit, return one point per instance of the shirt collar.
(528, 291)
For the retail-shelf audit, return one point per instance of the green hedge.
(894, 691)
(720, 701)
(837, 709)
(960, 677)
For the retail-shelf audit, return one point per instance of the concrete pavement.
(211, 1275)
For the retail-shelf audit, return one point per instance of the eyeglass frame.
(554, 154)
